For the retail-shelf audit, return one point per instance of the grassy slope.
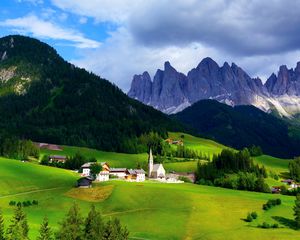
(150, 210)
(114, 159)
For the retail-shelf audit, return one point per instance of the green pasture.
(150, 210)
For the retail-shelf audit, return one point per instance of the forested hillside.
(242, 126)
(44, 98)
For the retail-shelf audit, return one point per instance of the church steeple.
(150, 162)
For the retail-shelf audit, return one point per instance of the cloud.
(240, 27)
(31, 24)
(258, 35)
(116, 11)
(83, 20)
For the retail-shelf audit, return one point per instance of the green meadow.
(150, 210)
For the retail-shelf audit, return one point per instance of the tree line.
(72, 227)
(15, 148)
(234, 170)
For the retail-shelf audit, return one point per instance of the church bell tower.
(150, 162)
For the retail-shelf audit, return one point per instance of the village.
(156, 172)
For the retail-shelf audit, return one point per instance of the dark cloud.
(240, 27)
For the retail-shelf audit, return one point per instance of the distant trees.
(234, 170)
(297, 211)
(294, 169)
(255, 151)
(72, 162)
(18, 149)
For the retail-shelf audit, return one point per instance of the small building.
(57, 159)
(276, 189)
(102, 176)
(118, 172)
(156, 171)
(291, 183)
(84, 182)
(137, 175)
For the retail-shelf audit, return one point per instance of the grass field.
(114, 159)
(149, 210)
(205, 146)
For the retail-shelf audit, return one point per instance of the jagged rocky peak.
(287, 81)
(141, 87)
(172, 91)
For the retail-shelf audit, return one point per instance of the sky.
(119, 38)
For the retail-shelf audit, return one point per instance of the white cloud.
(83, 20)
(31, 24)
(119, 58)
(256, 35)
(34, 2)
(101, 10)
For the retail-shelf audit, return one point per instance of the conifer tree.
(18, 229)
(114, 230)
(1, 226)
(93, 226)
(45, 230)
(71, 226)
(297, 211)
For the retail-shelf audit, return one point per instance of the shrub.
(265, 225)
(35, 202)
(249, 218)
(185, 179)
(254, 215)
(12, 203)
(275, 225)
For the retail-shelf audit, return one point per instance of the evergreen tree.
(93, 227)
(109, 231)
(71, 226)
(1, 226)
(19, 227)
(113, 230)
(297, 211)
(45, 231)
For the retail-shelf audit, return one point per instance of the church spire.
(150, 162)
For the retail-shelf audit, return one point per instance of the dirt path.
(130, 211)
(29, 192)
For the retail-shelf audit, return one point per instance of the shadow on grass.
(286, 222)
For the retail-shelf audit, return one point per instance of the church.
(155, 171)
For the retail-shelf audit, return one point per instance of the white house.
(156, 171)
(118, 172)
(137, 175)
(102, 176)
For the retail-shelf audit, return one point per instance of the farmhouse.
(102, 176)
(156, 171)
(291, 183)
(174, 142)
(118, 172)
(57, 158)
(137, 175)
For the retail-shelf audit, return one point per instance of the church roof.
(156, 167)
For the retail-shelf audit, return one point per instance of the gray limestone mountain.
(172, 91)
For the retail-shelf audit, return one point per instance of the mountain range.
(171, 91)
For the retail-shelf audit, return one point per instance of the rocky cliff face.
(171, 91)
